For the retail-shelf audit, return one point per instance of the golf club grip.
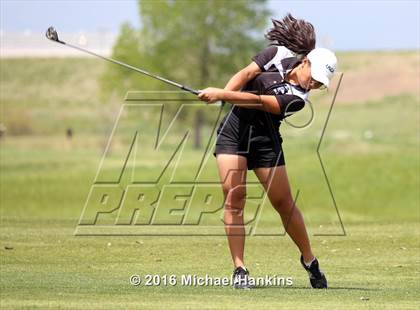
(193, 91)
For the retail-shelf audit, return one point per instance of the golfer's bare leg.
(280, 197)
(232, 172)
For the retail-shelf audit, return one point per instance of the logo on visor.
(331, 69)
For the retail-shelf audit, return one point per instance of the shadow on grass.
(310, 288)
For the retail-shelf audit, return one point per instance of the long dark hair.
(295, 34)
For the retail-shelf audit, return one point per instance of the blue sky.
(341, 25)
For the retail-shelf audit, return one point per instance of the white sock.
(309, 264)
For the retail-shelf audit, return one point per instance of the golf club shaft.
(186, 88)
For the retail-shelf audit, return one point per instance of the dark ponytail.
(295, 34)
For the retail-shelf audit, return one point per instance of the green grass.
(370, 152)
(50, 267)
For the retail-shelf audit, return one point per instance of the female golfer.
(274, 86)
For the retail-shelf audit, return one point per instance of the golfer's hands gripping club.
(211, 94)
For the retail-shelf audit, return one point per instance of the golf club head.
(51, 34)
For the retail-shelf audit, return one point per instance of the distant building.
(35, 44)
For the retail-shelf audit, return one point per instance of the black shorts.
(261, 147)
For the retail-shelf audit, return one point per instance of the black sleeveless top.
(275, 62)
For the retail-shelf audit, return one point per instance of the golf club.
(53, 36)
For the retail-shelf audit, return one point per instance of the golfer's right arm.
(242, 77)
(242, 99)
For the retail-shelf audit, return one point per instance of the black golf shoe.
(240, 278)
(316, 276)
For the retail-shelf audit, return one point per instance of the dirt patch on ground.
(373, 76)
